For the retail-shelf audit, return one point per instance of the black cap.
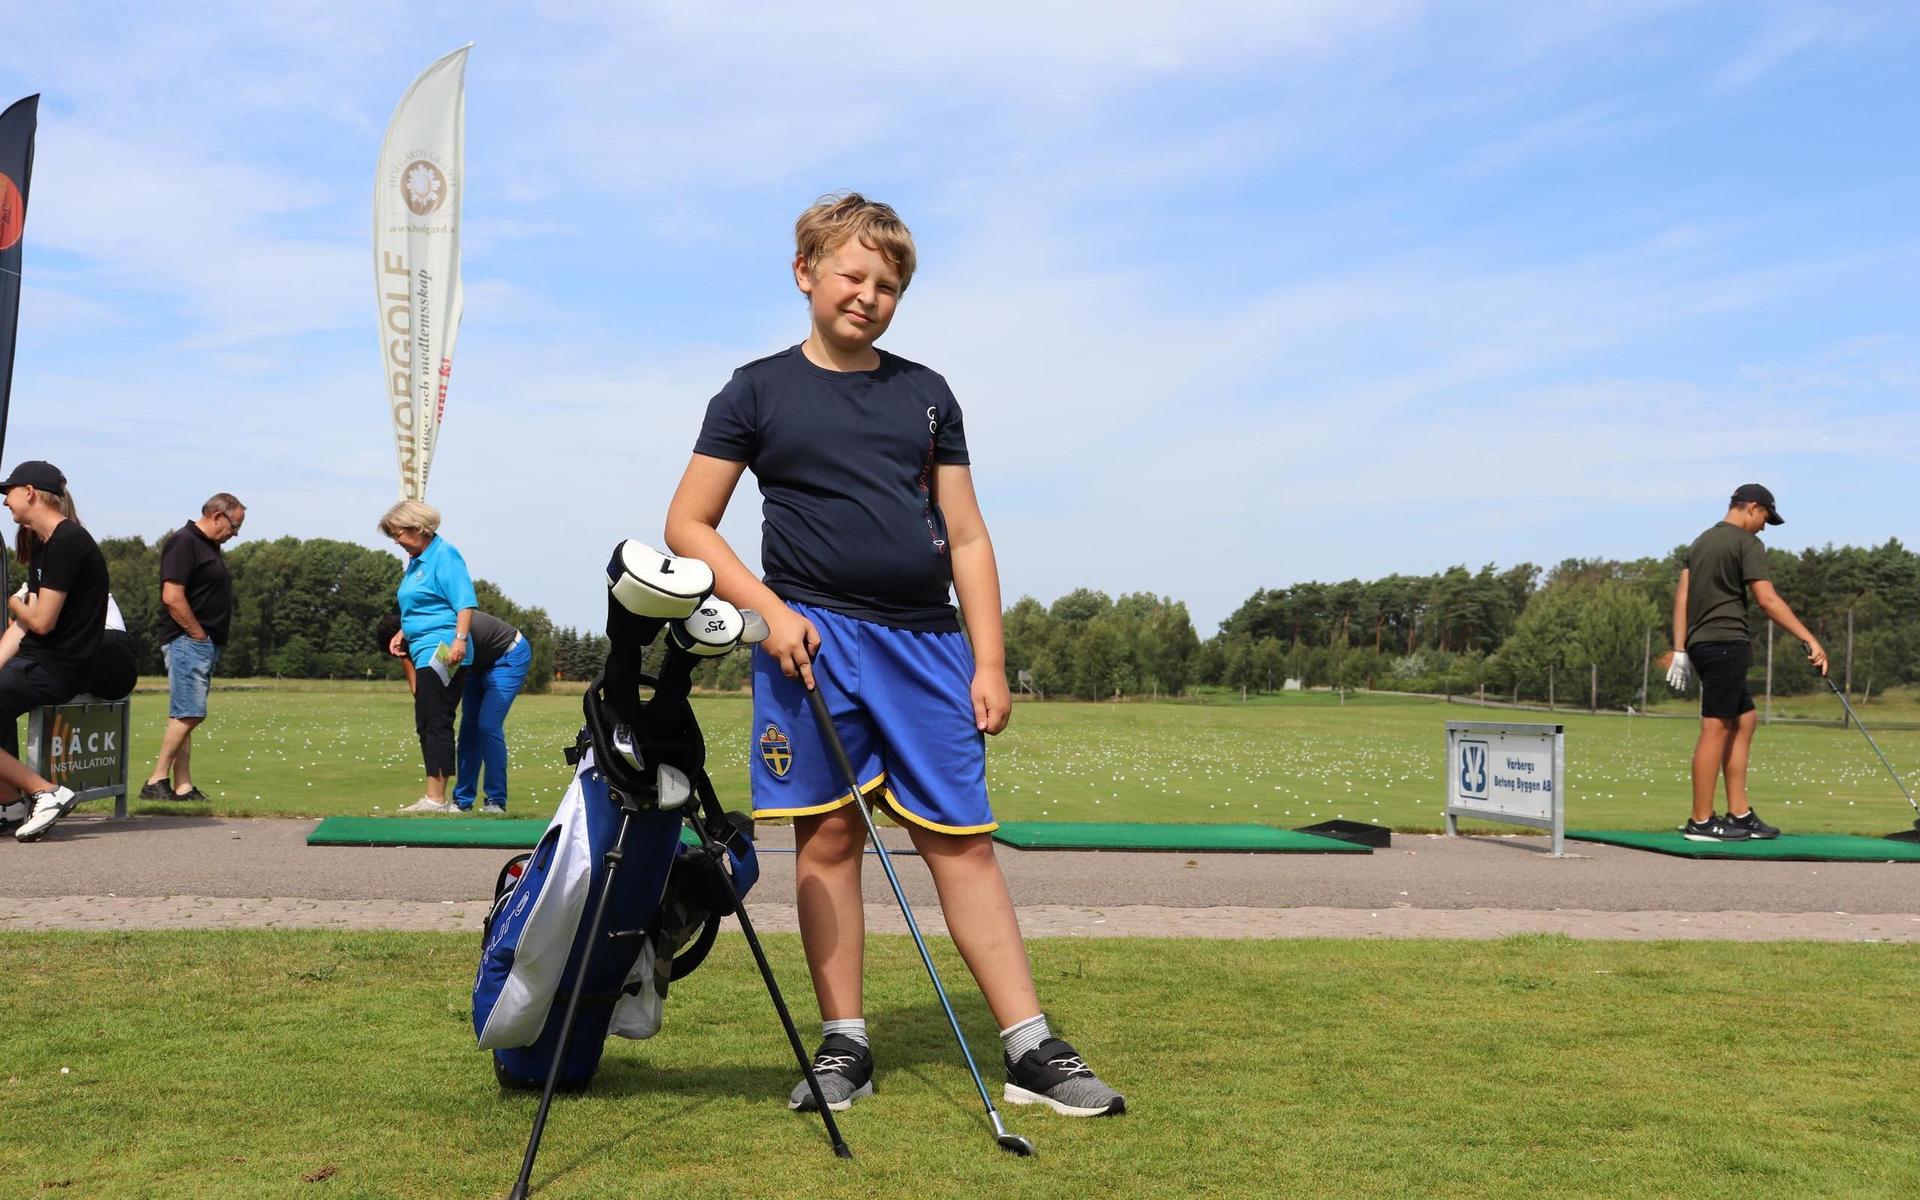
(40, 476)
(1753, 493)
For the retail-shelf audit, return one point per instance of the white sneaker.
(425, 805)
(497, 810)
(48, 807)
(13, 814)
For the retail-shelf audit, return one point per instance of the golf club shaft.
(832, 737)
(613, 857)
(1876, 745)
(840, 1147)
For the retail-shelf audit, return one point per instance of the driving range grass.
(238, 1063)
(311, 749)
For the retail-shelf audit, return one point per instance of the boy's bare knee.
(952, 847)
(835, 836)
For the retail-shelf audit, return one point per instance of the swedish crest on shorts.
(776, 751)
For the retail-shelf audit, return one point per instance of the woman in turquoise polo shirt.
(436, 611)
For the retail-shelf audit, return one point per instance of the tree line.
(1534, 635)
(302, 608)
(309, 608)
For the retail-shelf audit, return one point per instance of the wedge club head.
(1013, 1143)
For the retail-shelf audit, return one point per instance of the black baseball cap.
(40, 476)
(1746, 493)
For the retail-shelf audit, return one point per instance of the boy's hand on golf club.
(793, 641)
(1680, 673)
(992, 704)
(1817, 655)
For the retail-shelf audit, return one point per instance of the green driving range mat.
(495, 833)
(1792, 847)
(486, 833)
(1120, 835)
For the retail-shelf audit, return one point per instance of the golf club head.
(753, 628)
(1013, 1143)
(671, 787)
(623, 744)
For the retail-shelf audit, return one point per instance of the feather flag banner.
(416, 259)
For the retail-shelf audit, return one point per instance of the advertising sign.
(1511, 773)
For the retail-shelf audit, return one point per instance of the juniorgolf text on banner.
(16, 170)
(416, 259)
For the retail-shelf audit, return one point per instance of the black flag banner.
(16, 169)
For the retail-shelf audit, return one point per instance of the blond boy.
(869, 517)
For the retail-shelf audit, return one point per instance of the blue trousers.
(483, 726)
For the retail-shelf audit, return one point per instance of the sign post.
(1505, 772)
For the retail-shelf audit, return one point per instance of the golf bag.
(640, 783)
(640, 780)
(666, 907)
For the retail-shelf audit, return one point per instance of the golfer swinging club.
(1710, 622)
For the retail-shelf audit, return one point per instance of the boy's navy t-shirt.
(845, 462)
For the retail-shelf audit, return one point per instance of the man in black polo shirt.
(62, 608)
(1711, 634)
(196, 597)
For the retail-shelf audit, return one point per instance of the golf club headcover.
(713, 629)
(646, 589)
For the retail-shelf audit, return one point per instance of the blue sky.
(1233, 294)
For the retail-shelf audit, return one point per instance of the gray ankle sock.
(852, 1027)
(1024, 1036)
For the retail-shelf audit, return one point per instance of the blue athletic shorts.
(903, 704)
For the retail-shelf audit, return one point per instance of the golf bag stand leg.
(840, 1147)
(1012, 1143)
(596, 931)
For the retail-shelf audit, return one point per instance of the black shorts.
(26, 684)
(1723, 678)
(113, 674)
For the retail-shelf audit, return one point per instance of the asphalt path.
(92, 870)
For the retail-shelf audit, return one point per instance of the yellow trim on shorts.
(892, 809)
(897, 810)
(839, 801)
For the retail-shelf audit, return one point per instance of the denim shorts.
(189, 674)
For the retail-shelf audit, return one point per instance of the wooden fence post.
(1768, 717)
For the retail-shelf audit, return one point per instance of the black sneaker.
(159, 789)
(845, 1070)
(1053, 1074)
(192, 795)
(1715, 828)
(1757, 830)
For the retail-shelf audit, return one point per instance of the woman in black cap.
(63, 611)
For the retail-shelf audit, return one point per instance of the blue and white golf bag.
(640, 766)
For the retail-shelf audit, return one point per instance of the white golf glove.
(1680, 674)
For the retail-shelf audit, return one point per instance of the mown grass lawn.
(237, 1064)
(317, 749)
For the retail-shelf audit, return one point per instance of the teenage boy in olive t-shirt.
(1711, 635)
